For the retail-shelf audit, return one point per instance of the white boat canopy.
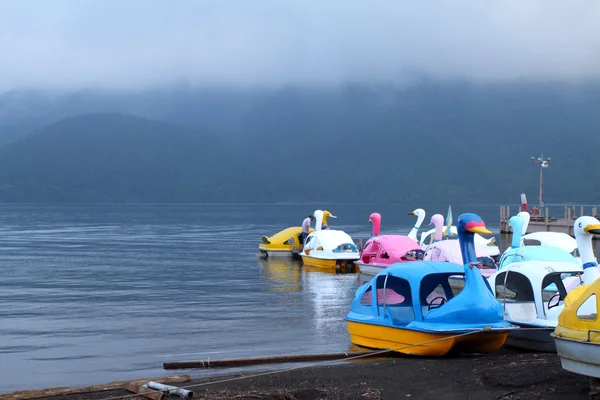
(529, 290)
(552, 239)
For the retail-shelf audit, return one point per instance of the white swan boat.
(532, 283)
(330, 248)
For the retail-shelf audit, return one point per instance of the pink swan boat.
(381, 251)
(449, 250)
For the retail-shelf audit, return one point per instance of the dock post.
(581, 215)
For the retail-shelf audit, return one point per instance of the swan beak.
(593, 229)
(411, 213)
(332, 216)
(482, 230)
(477, 227)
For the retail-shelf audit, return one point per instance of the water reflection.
(283, 273)
(330, 296)
(319, 270)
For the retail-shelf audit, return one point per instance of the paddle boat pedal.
(411, 308)
(346, 267)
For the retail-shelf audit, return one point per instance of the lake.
(95, 293)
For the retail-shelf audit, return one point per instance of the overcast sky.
(139, 43)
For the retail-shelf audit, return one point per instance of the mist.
(142, 43)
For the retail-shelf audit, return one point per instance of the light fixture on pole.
(544, 163)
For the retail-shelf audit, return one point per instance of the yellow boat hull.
(318, 262)
(408, 341)
(328, 265)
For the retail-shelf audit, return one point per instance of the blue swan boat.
(411, 307)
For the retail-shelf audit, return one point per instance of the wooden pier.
(545, 222)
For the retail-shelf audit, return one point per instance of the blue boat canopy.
(408, 295)
(536, 253)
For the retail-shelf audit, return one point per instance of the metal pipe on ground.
(171, 390)
(143, 390)
(236, 362)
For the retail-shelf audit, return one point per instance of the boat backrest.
(401, 314)
(520, 310)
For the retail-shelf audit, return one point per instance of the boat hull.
(385, 337)
(370, 269)
(276, 253)
(331, 265)
(535, 340)
(579, 357)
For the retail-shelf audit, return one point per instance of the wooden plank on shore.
(236, 362)
(65, 391)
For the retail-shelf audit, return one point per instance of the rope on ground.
(319, 364)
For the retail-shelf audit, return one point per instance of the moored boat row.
(539, 296)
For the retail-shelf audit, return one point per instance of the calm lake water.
(95, 293)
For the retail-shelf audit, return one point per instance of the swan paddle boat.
(281, 244)
(520, 253)
(391, 311)
(381, 251)
(531, 287)
(329, 248)
(548, 239)
(577, 335)
(450, 251)
(429, 237)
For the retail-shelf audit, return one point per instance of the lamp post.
(544, 163)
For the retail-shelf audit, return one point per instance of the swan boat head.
(476, 302)
(375, 219)
(420, 213)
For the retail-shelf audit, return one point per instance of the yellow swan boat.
(577, 335)
(285, 243)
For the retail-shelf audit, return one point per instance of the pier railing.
(545, 222)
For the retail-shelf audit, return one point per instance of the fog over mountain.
(148, 101)
(71, 44)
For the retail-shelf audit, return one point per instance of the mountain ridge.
(459, 142)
